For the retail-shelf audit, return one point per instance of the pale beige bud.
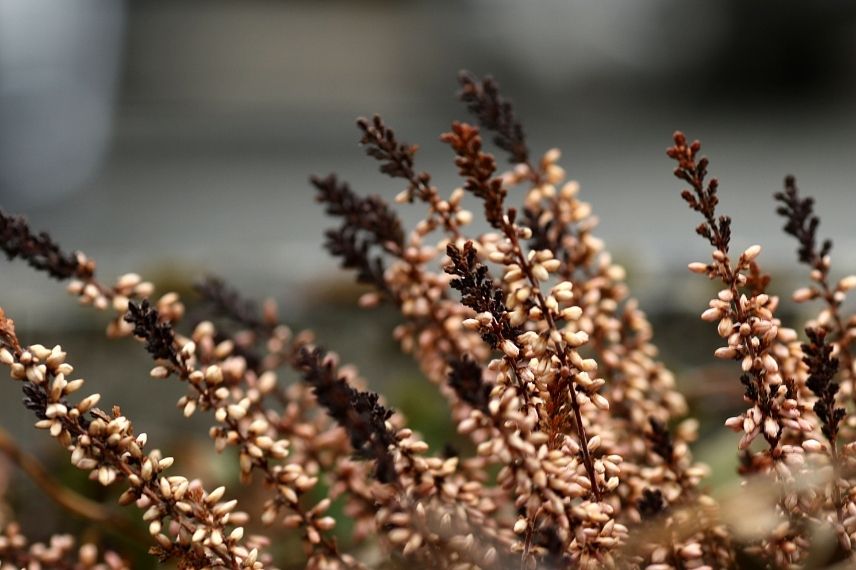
(770, 363)
(751, 252)
(575, 339)
(540, 273)
(464, 217)
(847, 283)
(600, 401)
(712, 314)
(159, 372)
(510, 349)
(804, 294)
(88, 403)
(771, 427)
(215, 495)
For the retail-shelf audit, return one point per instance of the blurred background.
(176, 138)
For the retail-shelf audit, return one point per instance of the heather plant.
(580, 452)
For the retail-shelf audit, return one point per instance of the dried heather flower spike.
(40, 251)
(570, 384)
(479, 293)
(533, 482)
(423, 501)
(465, 377)
(359, 413)
(478, 168)
(227, 302)
(366, 223)
(253, 334)
(802, 223)
(18, 240)
(397, 161)
(561, 376)
(703, 198)
(772, 377)
(483, 100)
(822, 368)
(637, 386)
(396, 158)
(242, 421)
(186, 523)
(158, 335)
(421, 294)
(746, 321)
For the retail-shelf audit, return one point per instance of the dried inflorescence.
(367, 223)
(185, 522)
(40, 251)
(802, 223)
(494, 113)
(580, 440)
(359, 413)
(793, 388)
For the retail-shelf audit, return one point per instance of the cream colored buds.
(510, 349)
(751, 253)
(712, 314)
(160, 372)
(847, 283)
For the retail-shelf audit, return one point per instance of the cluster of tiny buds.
(127, 286)
(46, 368)
(450, 209)
(716, 269)
(844, 285)
(548, 172)
(243, 422)
(60, 552)
(107, 448)
(758, 341)
(761, 329)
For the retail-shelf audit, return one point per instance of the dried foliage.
(581, 443)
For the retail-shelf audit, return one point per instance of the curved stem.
(63, 496)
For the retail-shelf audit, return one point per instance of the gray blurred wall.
(222, 110)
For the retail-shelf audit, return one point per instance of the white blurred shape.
(58, 73)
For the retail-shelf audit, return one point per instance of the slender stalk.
(66, 498)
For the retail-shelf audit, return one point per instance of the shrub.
(581, 441)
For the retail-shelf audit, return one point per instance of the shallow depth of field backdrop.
(176, 139)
